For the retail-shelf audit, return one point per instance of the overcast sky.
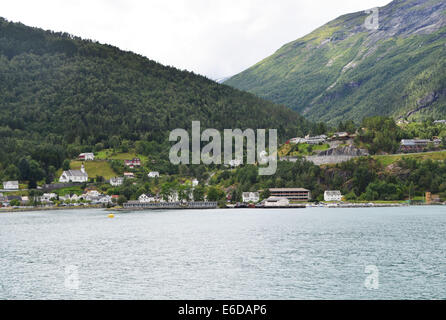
(216, 38)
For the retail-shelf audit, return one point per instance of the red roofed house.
(135, 162)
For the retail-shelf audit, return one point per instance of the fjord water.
(308, 253)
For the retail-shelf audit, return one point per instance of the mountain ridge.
(58, 90)
(343, 70)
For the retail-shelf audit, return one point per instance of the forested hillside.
(344, 70)
(60, 95)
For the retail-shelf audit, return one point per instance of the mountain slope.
(61, 90)
(345, 71)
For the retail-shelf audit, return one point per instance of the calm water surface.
(312, 253)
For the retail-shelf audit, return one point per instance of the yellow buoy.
(111, 215)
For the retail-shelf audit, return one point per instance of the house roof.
(75, 173)
(412, 142)
(288, 189)
(14, 197)
(11, 182)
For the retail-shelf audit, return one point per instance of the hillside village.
(131, 182)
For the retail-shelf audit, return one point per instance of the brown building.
(295, 194)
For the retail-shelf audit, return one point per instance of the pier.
(170, 205)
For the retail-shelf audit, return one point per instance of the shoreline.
(120, 209)
(12, 210)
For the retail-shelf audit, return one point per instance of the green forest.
(61, 95)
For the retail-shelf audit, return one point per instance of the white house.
(86, 156)
(91, 195)
(276, 202)
(116, 181)
(235, 162)
(11, 185)
(146, 198)
(153, 174)
(74, 175)
(48, 197)
(332, 195)
(250, 197)
(105, 199)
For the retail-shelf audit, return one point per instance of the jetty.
(136, 205)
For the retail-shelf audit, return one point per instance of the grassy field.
(100, 166)
(389, 159)
(69, 190)
(109, 154)
(94, 168)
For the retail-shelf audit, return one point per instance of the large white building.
(235, 163)
(146, 198)
(11, 185)
(332, 195)
(74, 175)
(250, 197)
(48, 197)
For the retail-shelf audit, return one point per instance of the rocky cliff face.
(344, 151)
(337, 155)
(348, 70)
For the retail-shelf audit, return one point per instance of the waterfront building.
(105, 199)
(295, 194)
(11, 185)
(276, 202)
(146, 198)
(250, 197)
(48, 197)
(332, 195)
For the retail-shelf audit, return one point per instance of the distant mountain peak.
(345, 69)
